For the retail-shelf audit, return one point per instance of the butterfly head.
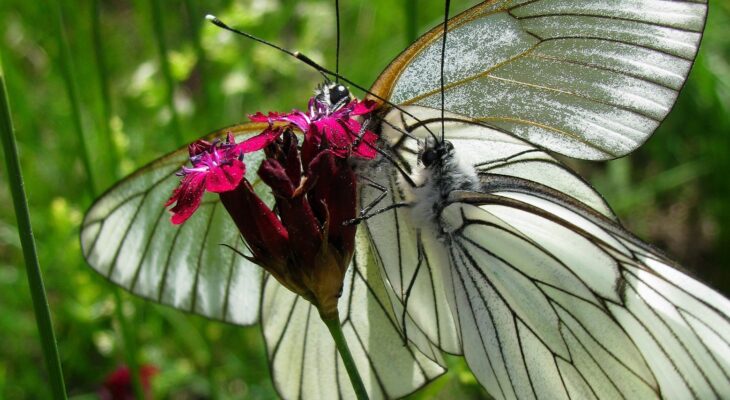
(333, 95)
(435, 152)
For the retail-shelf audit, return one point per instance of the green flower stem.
(32, 267)
(335, 329)
(159, 28)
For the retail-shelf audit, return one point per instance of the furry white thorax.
(435, 182)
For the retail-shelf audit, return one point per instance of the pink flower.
(216, 167)
(305, 242)
(323, 127)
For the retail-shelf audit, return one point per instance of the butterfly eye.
(429, 157)
(338, 93)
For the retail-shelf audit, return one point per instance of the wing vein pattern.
(549, 296)
(590, 79)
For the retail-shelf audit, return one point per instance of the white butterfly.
(518, 264)
(499, 252)
(497, 270)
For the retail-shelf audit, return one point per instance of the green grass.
(41, 309)
(672, 192)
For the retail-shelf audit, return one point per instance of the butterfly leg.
(384, 154)
(381, 195)
(382, 210)
(365, 211)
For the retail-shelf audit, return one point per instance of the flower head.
(306, 247)
(328, 123)
(304, 242)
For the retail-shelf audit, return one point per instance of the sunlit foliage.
(672, 192)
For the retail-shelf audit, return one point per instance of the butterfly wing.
(411, 259)
(127, 237)
(550, 295)
(304, 360)
(590, 79)
(553, 297)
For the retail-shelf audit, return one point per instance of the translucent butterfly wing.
(128, 238)
(554, 298)
(548, 293)
(589, 79)
(303, 359)
(410, 266)
(412, 259)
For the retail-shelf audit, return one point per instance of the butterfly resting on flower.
(484, 244)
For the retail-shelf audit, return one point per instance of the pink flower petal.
(225, 177)
(366, 148)
(186, 197)
(295, 117)
(259, 141)
(363, 107)
(299, 119)
(335, 133)
(269, 118)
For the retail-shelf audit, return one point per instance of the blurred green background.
(673, 192)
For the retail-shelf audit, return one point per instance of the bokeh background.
(135, 106)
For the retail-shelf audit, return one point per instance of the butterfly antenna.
(301, 57)
(443, 62)
(337, 46)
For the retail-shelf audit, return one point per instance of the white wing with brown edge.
(589, 79)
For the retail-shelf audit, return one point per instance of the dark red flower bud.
(261, 228)
(306, 247)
